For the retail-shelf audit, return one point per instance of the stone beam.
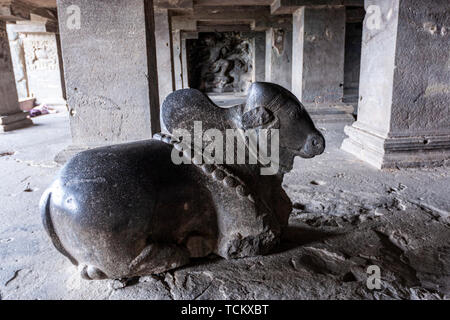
(46, 17)
(42, 3)
(189, 35)
(209, 3)
(183, 23)
(26, 26)
(174, 4)
(278, 21)
(11, 10)
(224, 28)
(289, 6)
(46, 13)
(259, 18)
(186, 23)
(212, 13)
(17, 10)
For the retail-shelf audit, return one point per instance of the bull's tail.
(44, 207)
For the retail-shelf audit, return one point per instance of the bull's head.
(271, 106)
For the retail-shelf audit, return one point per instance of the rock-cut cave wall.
(221, 62)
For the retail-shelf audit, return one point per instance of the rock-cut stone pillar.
(177, 59)
(279, 56)
(110, 71)
(163, 37)
(404, 102)
(318, 54)
(259, 64)
(11, 116)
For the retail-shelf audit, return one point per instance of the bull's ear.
(256, 117)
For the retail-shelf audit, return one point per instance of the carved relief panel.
(42, 64)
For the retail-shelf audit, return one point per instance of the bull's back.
(180, 106)
(106, 198)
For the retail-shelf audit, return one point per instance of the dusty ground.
(348, 216)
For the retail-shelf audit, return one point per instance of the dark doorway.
(353, 42)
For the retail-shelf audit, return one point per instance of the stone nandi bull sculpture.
(127, 210)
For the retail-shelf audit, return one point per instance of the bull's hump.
(182, 107)
(265, 94)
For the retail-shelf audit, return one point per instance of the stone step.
(16, 125)
(11, 118)
(325, 113)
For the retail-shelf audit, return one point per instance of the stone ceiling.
(41, 3)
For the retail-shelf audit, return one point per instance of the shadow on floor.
(296, 236)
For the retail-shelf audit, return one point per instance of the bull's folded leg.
(238, 246)
(158, 258)
(154, 258)
(91, 272)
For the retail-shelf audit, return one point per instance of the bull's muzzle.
(314, 145)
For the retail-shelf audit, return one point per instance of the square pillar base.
(396, 152)
(14, 121)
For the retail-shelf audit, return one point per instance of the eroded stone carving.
(127, 210)
(278, 40)
(42, 67)
(40, 52)
(221, 62)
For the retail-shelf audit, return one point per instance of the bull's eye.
(295, 114)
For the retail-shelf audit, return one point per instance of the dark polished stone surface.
(127, 210)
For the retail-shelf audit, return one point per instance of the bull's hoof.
(91, 273)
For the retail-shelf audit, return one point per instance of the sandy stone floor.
(347, 217)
